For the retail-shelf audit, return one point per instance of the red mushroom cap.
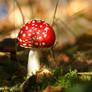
(36, 34)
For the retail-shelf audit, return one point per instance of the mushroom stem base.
(33, 61)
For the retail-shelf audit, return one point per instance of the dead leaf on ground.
(63, 57)
(53, 89)
(43, 72)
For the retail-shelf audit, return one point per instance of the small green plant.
(65, 79)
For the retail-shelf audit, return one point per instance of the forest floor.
(72, 74)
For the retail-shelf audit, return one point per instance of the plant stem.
(20, 11)
(55, 12)
(52, 48)
(84, 73)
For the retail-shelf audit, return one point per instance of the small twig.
(4, 88)
(84, 73)
(55, 12)
(53, 54)
(20, 11)
(23, 85)
(52, 48)
(23, 19)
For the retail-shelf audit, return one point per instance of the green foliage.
(85, 77)
(72, 75)
(63, 79)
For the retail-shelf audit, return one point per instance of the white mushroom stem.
(33, 61)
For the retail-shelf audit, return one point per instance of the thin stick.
(52, 48)
(23, 19)
(4, 88)
(20, 11)
(84, 73)
(23, 85)
(55, 12)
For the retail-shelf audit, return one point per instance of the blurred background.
(73, 17)
(72, 26)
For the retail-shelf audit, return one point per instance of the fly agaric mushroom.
(34, 35)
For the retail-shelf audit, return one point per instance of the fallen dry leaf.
(43, 72)
(53, 89)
